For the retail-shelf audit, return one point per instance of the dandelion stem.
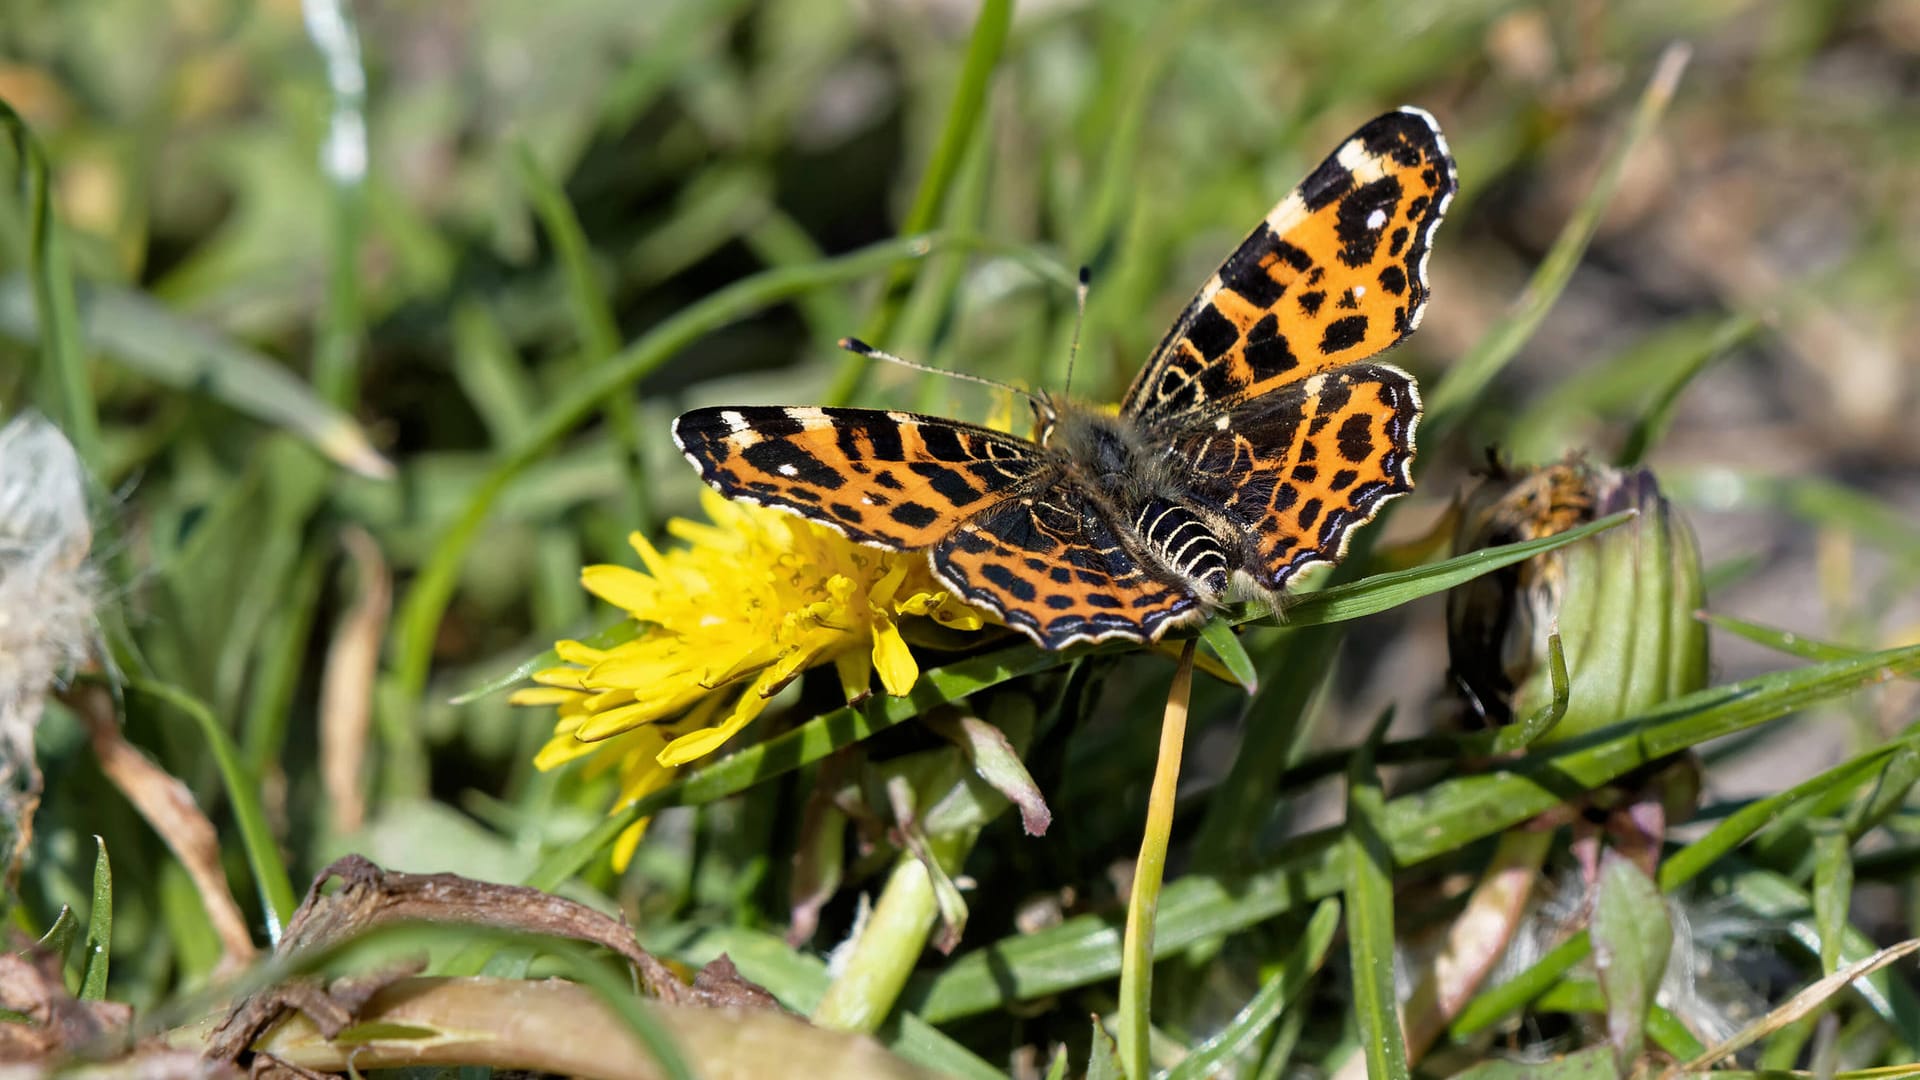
(891, 943)
(1136, 954)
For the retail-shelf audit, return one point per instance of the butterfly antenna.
(1079, 320)
(861, 348)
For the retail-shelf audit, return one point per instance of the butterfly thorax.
(1143, 490)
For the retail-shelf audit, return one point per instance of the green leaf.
(1631, 940)
(1241, 1037)
(1659, 413)
(1547, 717)
(67, 387)
(1226, 645)
(1832, 889)
(59, 937)
(996, 760)
(1370, 934)
(93, 984)
(1594, 1063)
(965, 111)
(1381, 592)
(1103, 1055)
(243, 792)
(1791, 642)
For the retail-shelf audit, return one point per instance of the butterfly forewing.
(889, 479)
(1336, 273)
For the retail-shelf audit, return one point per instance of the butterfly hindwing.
(1302, 467)
(1336, 273)
(1052, 566)
(889, 479)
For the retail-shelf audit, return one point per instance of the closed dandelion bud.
(1622, 602)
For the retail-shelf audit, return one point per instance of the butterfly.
(1254, 441)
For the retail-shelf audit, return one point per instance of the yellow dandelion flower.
(748, 602)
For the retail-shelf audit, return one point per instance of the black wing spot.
(1393, 280)
(1212, 333)
(1310, 301)
(1016, 586)
(1344, 333)
(1357, 240)
(1343, 479)
(782, 458)
(944, 443)
(1309, 513)
(1356, 438)
(913, 515)
(1267, 351)
(950, 485)
(1245, 274)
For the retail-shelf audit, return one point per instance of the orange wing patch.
(1335, 274)
(1052, 566)
(889, 479)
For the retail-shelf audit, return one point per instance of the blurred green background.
(347, 275)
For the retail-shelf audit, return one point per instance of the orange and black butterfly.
(1252, 443)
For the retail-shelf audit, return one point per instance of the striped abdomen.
(1183, 543)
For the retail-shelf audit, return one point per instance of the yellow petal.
(698, 744)
(883, 590)
(627, 844)
(624, 588)
(561, 749)
(542, 695)
(856, 675)
(892, 659)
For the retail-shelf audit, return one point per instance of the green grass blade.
(1547, 717)
(1370, 596)
(1467, 379)
(1779, 810)
(1832, 889)
(1658, 416)
(67, 388)
(343, 165)
(964, 114)
(1791, 642)
(594, 324)
(1226, 645)
(93, 984)
(1631, 939)
(277, 897)
(1370, 935)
